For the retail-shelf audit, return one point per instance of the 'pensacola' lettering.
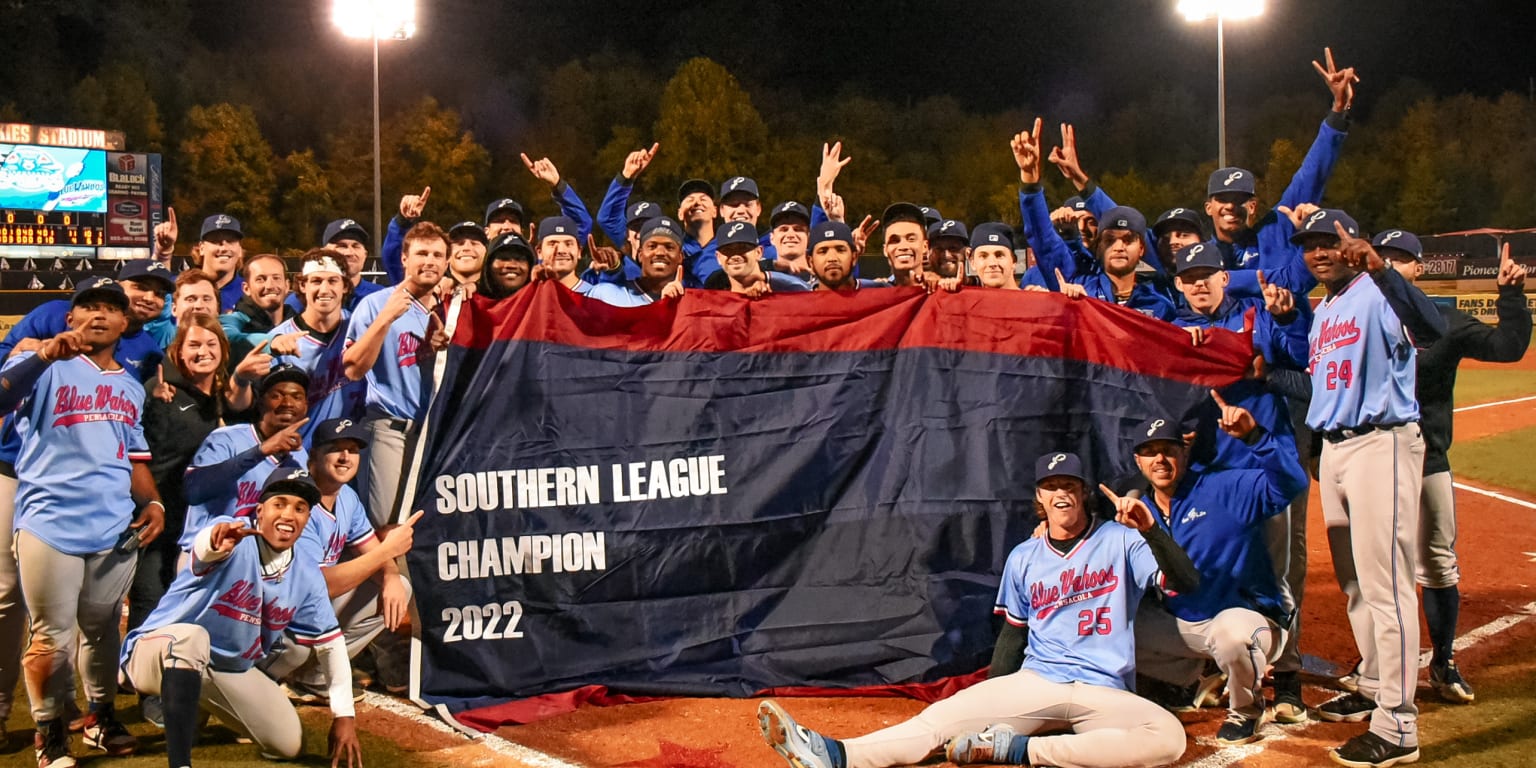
(517, 555)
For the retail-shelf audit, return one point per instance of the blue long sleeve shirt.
(1051, 254)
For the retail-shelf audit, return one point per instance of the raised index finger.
(426, 192)
(1034, 135)
(410, 521)
(170, 215)
(1328, 56)
(1344, 235)
(526, 161)
(1217, 397)
(1104, 489)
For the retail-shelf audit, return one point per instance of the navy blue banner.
(714, 497)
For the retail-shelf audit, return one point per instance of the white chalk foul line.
(524, 755)
(1494, 404)
(1486, 631)
(1494, 495)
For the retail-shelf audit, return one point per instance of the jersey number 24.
(1340, 374)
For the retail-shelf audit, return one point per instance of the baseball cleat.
(1371, 751)
(1348, 708)
(1208, 690)
(1447, 681)
(801, 747)
(51, 746)
(998, 744)
(1239, 729)
(1351, 681)
(1288, 707)
(104, 732)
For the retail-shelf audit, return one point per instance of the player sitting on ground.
(223, 614)
(1077, 672)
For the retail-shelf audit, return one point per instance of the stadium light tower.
(376, 20)
(1222, 10)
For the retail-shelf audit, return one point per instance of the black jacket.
(175, 431)
(1467, 337)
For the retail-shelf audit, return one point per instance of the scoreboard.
(86, 230)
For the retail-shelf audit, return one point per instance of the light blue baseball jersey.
(80, 431)
(332, 530)
(244, 611)
(1362, 361)
(625, 294)
(331, 394)
(240, 499)
(1080, 606)
(395, 382)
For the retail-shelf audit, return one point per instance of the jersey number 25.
(1091, 621)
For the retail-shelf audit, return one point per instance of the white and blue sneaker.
(998, 744)
(800, 746)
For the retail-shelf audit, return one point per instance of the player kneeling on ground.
(366, 588)
(1077, 670)
(224, 613)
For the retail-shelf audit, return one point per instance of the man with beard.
(741, 263)
(661, 268)
(229, 468)
(905, 245)
(262, 307)
(313, 341)
(832, 257)
(949, 248)
(350, 240)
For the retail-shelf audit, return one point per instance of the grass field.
(1498, 731)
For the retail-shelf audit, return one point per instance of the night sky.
(991, 55)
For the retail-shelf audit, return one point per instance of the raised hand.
(1026, 153)
(637, 160)
(1298, 215)
(543, 170)
(1234, 420)
(1064, 158)
(832, 204)
(1510, 272)
(64, 346)
(225, 536)
(604, 258)
(1279, 301)
(862, 233)
(256, 364)
(1341, 82)
(412, 206)
(437, 335)
(1070, 290)
(163, 391)
(674, 289)
(1358, 252)
(832, 163)
(1129, 512)
(285, 440)
(165, 234)
(398, 303)
(397, 539)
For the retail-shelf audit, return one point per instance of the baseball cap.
(830, 230)
(1124, 217)
(639, 213)
(931, 215)
(992, 233)
(99, 288)
(1321, 222)
(1402, 240)
(465, 229)
(951, 228)
(1173, 216)
(1160, 428)
(289, 479)
(280, 374)
(146, 269)
(786, 210)
(1060, 464)
(1076, 203)
(662, 226)
(695, 185)
(221, 222)
(1197, 256)
(896, 212)
(1229, 180)
(513, 243)
(738, 185)
(504, 204)
(332, 430)
(736, 233)
(344, 228)
(557, 225)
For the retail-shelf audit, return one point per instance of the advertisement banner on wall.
(128, 200)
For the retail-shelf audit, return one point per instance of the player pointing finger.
(1129, 511)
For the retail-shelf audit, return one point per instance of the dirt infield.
(721, 733)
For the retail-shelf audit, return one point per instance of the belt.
(1345, 433)
(398, 425)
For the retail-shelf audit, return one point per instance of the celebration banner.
(716, 496)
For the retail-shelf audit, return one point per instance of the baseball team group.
(219, 440)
